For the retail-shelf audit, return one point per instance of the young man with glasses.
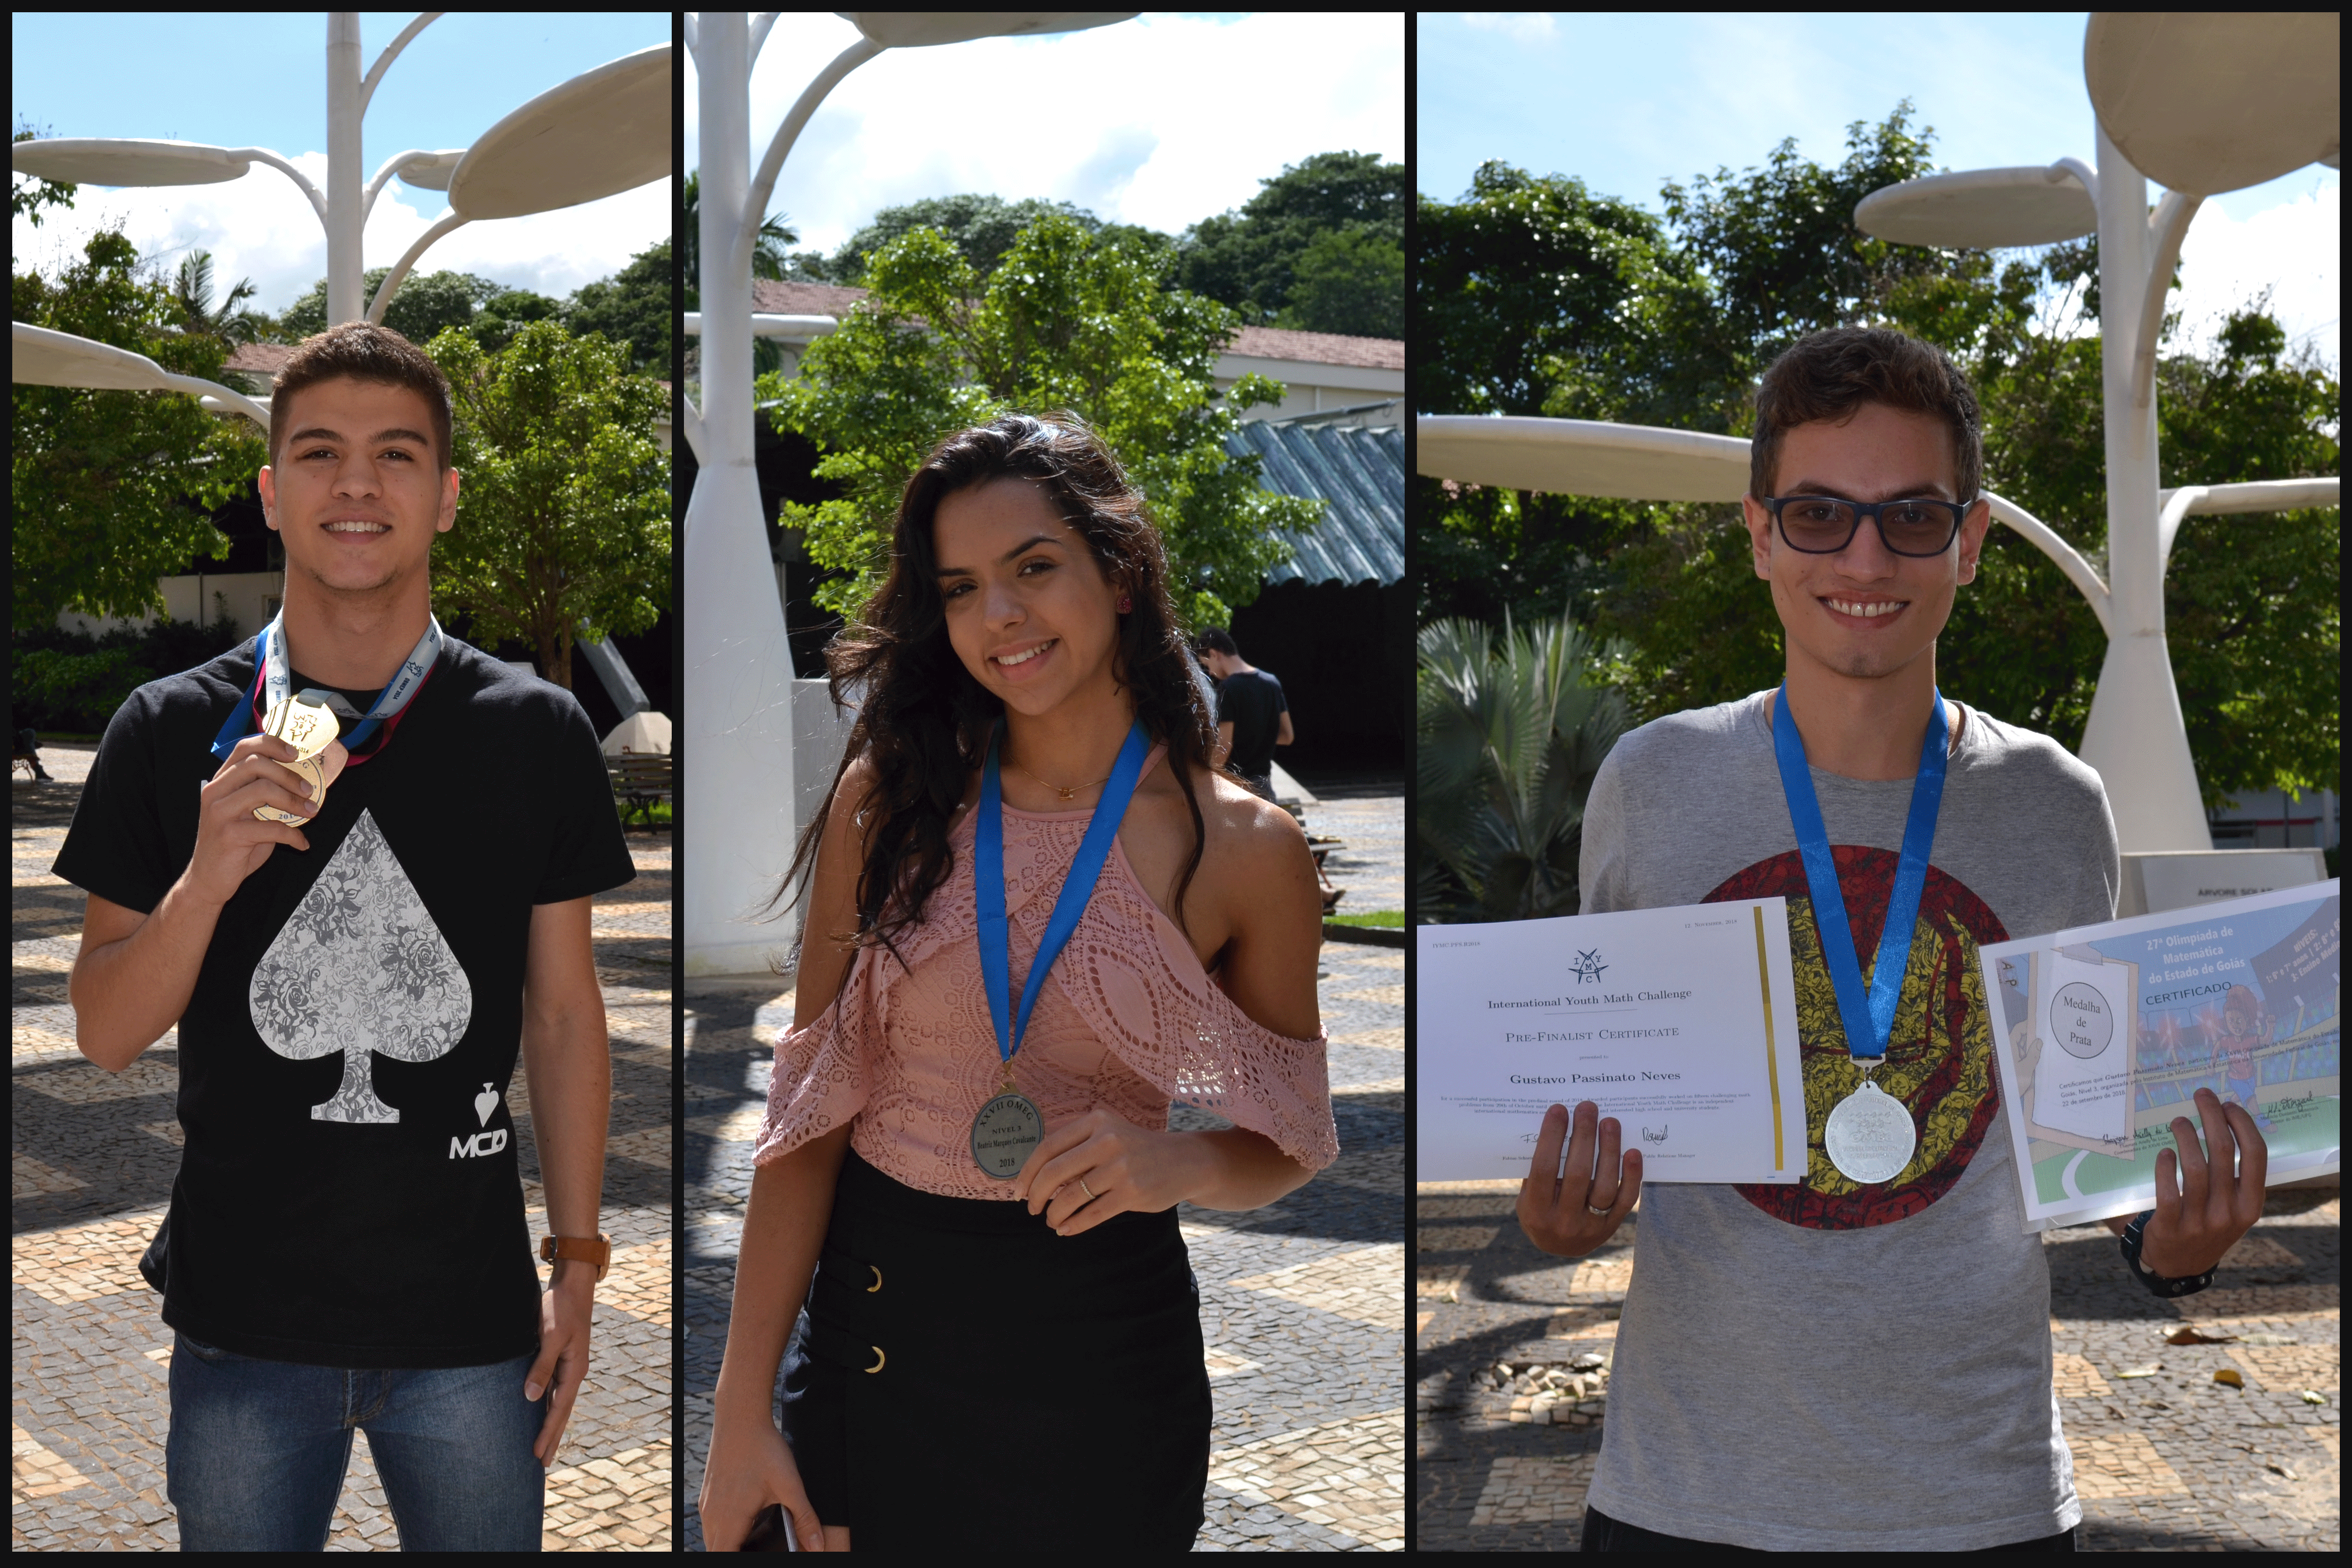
(1860, 1361)
(354, 943)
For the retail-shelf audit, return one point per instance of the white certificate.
(1680, 1023)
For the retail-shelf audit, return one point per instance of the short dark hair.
(362, 351)
(1217, 639)
(1829, 375)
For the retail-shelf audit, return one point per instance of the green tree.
(1536, 297)
(507, 312)
(632, 308)
(1063, 322)
(193, 288)
(1249, 258)
(428, 304)
(110, 490)
(1347, 281)
(563, 512)
(26, 201)
(981, 227)
(1510, 732)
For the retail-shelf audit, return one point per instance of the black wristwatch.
(2156, 1283)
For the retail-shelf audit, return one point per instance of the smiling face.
(1029, 610)
(1865, 611)
(357, 492)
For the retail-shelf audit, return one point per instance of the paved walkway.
(2166, 1458)
(92, 1157)
(1300, 1300)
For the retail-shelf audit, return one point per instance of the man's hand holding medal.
(271, 784)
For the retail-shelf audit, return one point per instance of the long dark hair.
(924, 723)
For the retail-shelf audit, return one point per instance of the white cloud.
(2294, 249)
(261, 227)
(1162, 120)
(1522, 27)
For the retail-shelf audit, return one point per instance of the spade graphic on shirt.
(360, 969)
(486, 1102)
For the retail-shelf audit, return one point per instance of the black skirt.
(962, 1376)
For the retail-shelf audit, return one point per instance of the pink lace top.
(1126, 1019)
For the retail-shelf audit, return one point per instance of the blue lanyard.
(1867, 1025)
(270, 674)
(1077, 888)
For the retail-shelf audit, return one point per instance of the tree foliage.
(1063, 322)
(563, 514)
(426, 305)
(633, 308)
(981, 229)
(1250, 259)
(1536, 295)
(110, 490)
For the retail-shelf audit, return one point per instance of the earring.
(1125, 604)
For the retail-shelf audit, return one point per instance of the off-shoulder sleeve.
(1151, 1005)
(822, 1078)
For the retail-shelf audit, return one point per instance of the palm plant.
(1510, 732)
(193, 288)
(768, 260)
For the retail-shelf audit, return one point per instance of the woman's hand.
(750, 1466)
(1102, 1164)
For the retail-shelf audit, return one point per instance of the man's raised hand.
(231, 842)
(1556, 1211)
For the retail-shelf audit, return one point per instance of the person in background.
(28, 748)
(1253, 716)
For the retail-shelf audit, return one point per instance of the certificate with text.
(2105, 1034)
(1681, 1023)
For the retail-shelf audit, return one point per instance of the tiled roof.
(774, 298)
(1319, 348)
(259, 359)
(1359, 472)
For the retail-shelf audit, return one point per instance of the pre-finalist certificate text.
(1681, 1023)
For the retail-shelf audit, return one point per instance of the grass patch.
(661, 815)
(1386, 919)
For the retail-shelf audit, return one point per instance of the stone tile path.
(92, 1157)
(1300, 1300)
(2166, 1458)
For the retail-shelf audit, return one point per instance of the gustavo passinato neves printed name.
(1603, 1078)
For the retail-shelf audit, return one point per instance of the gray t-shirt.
(1822, 1366)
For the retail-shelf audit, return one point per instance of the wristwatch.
(2156, 1283)
(580, 1249)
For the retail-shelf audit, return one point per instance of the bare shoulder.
(1243, 821)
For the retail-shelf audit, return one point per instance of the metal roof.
(1359, 472)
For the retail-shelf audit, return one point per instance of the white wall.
(2276, 820)
(252, 598)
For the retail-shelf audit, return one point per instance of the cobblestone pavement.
(92, 1157)
(2166, 1458)
(1370, 863)
(1299, 1300)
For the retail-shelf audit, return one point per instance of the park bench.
(642, 783)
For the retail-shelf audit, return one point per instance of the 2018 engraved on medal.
(1005, 1134)
(1869, 1136)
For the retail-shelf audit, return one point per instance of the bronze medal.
(1005, 1134)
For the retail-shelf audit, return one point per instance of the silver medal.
(1005, 1134)
(1869, 1137)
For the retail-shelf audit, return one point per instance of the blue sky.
(1160, 121)
(1628, 101)
(259, 79)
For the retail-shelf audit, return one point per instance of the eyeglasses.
(1823, 525)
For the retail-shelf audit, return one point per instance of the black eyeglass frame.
(1870, 510)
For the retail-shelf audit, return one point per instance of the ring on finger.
(1604, 1213)
(1091, 1194)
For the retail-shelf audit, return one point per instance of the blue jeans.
(257, 1450)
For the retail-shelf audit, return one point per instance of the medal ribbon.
(1868, 1025)
(1077, 888)
(272, 682)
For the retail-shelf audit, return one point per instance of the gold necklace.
(1068, 793)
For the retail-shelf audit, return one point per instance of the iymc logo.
(480, 1143)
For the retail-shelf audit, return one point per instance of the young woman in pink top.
(1014, 1358)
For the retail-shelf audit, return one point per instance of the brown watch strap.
(579, 1249)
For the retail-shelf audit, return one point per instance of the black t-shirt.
(1251, 700)
(350, 1195)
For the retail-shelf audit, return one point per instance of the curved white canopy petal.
(604, 131)
(2207, 101)
(1980, 209)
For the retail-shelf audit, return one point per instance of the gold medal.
(313, 772)
(308, 727)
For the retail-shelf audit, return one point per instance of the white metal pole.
(346, 210)
(738, 748)
(2136, 737)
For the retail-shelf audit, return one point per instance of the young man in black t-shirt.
(346, 1246)
(1253, 716)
